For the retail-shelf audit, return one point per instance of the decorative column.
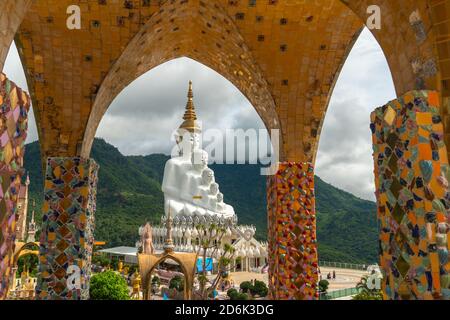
(293, 261)
(67, 231)
(14, 107)
(411, 179)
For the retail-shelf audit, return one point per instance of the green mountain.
(129, 194)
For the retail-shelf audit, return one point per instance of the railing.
(339, 294)
(343, 265)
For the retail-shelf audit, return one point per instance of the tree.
(177, 283)
(108, 286)
(29, 262)
(100, 260)
(210, 242)
(156, 281)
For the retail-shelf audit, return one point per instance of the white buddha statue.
(189, 185)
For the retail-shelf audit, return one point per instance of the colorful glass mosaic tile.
(14, 107)
(9, 188)
(68, 227)
(411, 178)
(293, 261)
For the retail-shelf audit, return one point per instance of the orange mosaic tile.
(413, 197)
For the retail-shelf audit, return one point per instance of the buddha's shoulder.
(178, 161)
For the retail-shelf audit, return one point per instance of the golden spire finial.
(190, 117)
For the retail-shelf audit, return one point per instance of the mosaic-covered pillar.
(293, 261)
(67, 230)
(14, 107)
(411, 178)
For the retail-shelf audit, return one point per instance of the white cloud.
(143, 116)
(344, 158)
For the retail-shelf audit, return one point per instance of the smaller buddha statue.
(212, 198)
(136, 284)
(207, 178)
(147, 240)
(220, 205)
(214, 189)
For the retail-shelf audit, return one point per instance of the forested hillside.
(129, 194)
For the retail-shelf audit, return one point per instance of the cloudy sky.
(143, 117)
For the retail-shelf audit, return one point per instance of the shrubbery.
(364, 295)
(233, 294)
(323, 285)
(246, 286)
(259, 288)
(108, 286)
(242, 296)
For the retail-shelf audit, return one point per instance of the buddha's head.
(220, 197)
(187, 141)
(207, 176)
(214, 188)
(199, 160)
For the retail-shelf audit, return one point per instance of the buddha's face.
(220, 197)
(207, 176)
(214, 188)
(187, 141)
(199, 160)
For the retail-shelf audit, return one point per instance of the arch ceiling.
(292, 53)
(200, 32)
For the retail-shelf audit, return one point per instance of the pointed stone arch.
(23, 248)
(149, 262)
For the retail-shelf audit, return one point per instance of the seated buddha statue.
(188, 185)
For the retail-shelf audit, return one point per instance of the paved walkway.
(345, 278)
